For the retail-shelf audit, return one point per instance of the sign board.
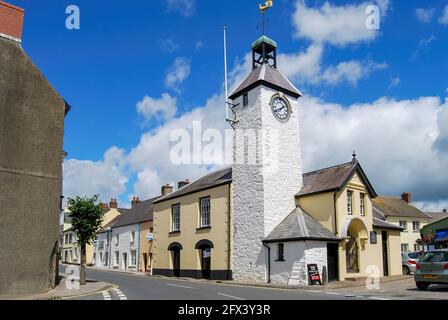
(373, 237)
(314, 275)
(150, 236)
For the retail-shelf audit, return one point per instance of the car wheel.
(406, 270)
(422, 286)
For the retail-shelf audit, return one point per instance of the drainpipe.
(109, 240)
(229, 230)
(335, 214)
(138, 250)
(269, 261)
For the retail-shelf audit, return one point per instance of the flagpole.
(225, 74)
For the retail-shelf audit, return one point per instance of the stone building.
(264, 220)
(31, 140)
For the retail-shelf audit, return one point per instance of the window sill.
(174, 232)
(280, 260)
(204, 228)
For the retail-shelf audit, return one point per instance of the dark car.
(432, 269)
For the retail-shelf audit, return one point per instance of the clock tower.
(267, 168)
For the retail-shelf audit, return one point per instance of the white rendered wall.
(263, 192)
(297, 255)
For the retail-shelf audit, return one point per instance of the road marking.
(106, 296)
(332, 293)
(378, 298)
(229, 296)
(176, 285)
(120, 294)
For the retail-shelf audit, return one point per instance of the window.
(362, 204)
(133, 258)
(70, 238)
(94, 258)
(151, 230)
(404, 247)
(132, 236)
(404, 225)
(281, 252)
(101, 258)
(117, 258)
(175, 217)
(205, 212)
(417, 248)
(100, 245)
(416, 226)
(350, 202)
(117, 239)
(245, 100)
(106, 259)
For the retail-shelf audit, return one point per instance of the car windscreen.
(413, 255)
(435, 256)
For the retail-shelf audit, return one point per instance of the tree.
(87, 217)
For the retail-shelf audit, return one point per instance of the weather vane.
(268, 4)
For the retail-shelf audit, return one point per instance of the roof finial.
(354, 156)
(268, 4)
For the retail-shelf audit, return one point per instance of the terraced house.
(125, 243)
(263, 219)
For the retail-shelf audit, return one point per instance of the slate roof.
(379, 221)
(141, 212)
(269, 77)
(395, 207)
(437, 215)
(299, 225)
(214, 179)
(333, 179)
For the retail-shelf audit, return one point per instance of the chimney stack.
(166, 189)
(406, 197)
(11, 21)
(105, 206)
(183, 183)
(135, 200)
(113, 204)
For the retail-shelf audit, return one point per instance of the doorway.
(206, 262)
(332, 261)
(145, 262)
(384, 238)
(125, 261)
(352, 256)
(176, 262)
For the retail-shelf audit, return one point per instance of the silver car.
(409, 261)
(432, 269)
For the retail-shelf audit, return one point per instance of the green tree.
(87, 217)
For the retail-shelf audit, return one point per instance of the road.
(141, 287)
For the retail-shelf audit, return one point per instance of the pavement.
(63, 291)
(139, 286)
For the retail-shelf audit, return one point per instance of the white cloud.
(164, 108)
(87, 178)
(423, 45)
(351, 71)
(394, 81)
(337, 25)
(424, 15)
(179, 71)
(185, 7)
(169, 45)
(444, 18)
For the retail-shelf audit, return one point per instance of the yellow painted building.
(401, 212)
(193, 226)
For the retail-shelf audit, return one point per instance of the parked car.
(432, 269)
(409, 261)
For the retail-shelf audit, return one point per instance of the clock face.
(281, 108)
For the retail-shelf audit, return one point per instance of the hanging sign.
(314, 275)
(150, 236)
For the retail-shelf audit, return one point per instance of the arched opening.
(175, 249)
(205, 254)
(356, 234)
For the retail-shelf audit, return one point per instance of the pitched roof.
(333, 179)
(141, 212)
(214, 179)
(437, 215)
(269, 77)
(395, 207)
(299, 225)
(379, 221)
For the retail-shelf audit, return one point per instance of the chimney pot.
(11, 21)
(183, 183)
(135, 200)
(105, 206)
(406, 197)
(167, 189)
(113, 204)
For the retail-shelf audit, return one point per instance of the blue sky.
(125, 50)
